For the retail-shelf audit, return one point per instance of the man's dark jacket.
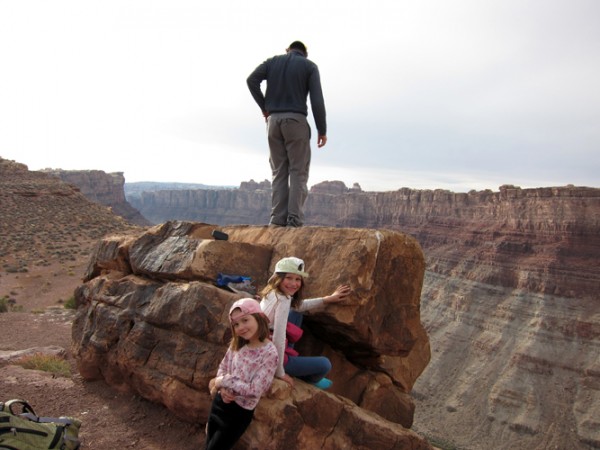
(290, 78)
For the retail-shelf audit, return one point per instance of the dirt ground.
(110, 420)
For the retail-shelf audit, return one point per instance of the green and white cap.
(291, 264)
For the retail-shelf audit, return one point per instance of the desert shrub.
(47, 363)
(3, 304)
(522, 428)
(70, 303)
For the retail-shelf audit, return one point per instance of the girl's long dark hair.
(274, 283)
(238, 342)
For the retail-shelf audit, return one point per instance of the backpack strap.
(25, 407)
(60, 432)
(34, 418)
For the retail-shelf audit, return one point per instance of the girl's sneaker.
(323, 383)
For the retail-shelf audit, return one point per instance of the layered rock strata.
(517, 366)
(151, 320)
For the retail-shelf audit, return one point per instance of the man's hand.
(321, 141)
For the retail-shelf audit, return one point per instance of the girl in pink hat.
(282, 303)
(245, 374)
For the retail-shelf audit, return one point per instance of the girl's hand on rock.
(339, 294)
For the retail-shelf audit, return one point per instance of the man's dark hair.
(297, 45)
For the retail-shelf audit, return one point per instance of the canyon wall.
(544, 240)
(104, 188)
(510, 299)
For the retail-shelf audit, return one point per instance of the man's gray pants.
(289, 144)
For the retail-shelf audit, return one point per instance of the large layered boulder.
(151, 319)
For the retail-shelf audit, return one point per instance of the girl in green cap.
(282, 303)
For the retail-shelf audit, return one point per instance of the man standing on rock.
(290, 78)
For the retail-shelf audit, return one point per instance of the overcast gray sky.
(459, 95)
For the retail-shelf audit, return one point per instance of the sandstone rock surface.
(151, 320)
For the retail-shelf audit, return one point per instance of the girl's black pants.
(226, 424)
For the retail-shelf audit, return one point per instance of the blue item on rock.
(323, 383)
(224, 280)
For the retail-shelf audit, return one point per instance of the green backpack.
(25, 431)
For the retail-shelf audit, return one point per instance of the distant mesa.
(134, 189)
(334, 188)
(252, 185)
(104, 188)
